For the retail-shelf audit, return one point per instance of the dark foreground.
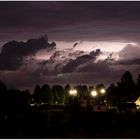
(70, 124)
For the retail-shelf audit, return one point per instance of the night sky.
(95, 42)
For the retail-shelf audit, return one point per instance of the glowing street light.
(102, 91)
(94, 93)
(73, 92)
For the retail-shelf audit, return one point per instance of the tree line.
(19, 101)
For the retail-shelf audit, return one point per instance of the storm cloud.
(14, 52)
(70, 20)
(95, 42)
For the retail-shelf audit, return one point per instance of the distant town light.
(94, 93)
(103, 91)
(32, 104)
(73, 92)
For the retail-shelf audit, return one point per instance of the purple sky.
(70, 20)
(112, 27)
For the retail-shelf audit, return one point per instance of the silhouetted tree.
(84, 91)
(36, 94)
(138, 80)
(112, 97)
(17, 102)
(126, 87)
(91, 88)
(80, 92)
(138, 86)
(46, 94)
(3, 87)
(67, 89)
(55, 94)
(27, 96)
(58, 94)
(3, 97)
(99, 87)
(61, 93)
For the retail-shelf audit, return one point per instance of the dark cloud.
(81, 60)
(14, 52)
(129, 62)
(72, 65)
(71, 20)
(63, 11)
(100, 67)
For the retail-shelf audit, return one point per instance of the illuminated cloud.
(95, 42)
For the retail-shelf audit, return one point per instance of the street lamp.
(102, 91)
(73, 92)
(94, 93)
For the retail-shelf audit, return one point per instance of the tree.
(80, 92)
(99, 87)
(67, 89)
(84, 91)
(61, 94)
(112, 97)
(27, 96)
(3, 97)
(126, 87)
(58, 94)
(55, 94)
(17, 102)
(91, 88)
(3, 87)
(138, 80)
(127, 78)
(36, 94)
(138, 86)
(46, 94)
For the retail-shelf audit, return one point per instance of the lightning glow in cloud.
(89, 46)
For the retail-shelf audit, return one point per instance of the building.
(137, 102)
